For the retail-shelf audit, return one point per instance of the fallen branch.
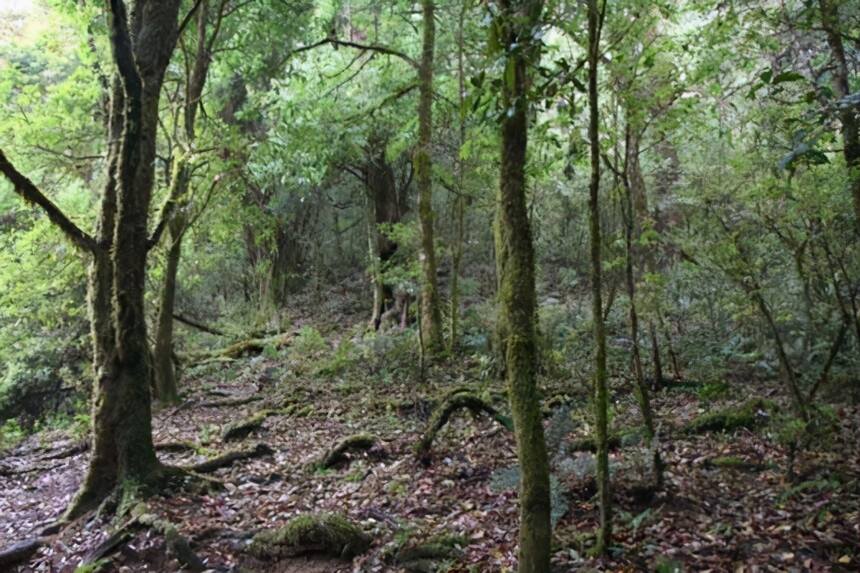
(198, 325)
(230, 458)
(457, 401)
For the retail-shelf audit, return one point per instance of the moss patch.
(750, 414)
(326, 534)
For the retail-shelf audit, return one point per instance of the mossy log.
(616, 440)
(247, 347)
(749, 415)
(229, 458)
(340, 452)
(326, 534)
(455, 402)
(735, 463)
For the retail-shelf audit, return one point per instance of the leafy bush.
(11, 433)
(309, 341)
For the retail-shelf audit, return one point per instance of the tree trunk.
(385, 209)
(431, 316)
(517, 301)
(642, 393)
(166, 389)
(123, 453)
(601, 399)
(460, 201)
(646, 254)
(847, 114)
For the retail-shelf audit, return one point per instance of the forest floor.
(726, 504)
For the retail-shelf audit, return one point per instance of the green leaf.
(787, 77)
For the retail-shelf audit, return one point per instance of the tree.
(175, 219)
(431, 316)
(600, 397)
(122, 452)
(516, 25)
(847, 110)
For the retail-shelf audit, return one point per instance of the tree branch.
(30, 193)
(364, 47)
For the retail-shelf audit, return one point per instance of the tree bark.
(123, 453)
(641, 388)
(460, 201)
(431, 316)
(601, 399)
(517, 301)
(166, 388)
(847, 114)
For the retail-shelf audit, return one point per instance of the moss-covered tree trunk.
(600, 397)
(123, 453)
(517, 301)
(385, 208)
(460, 201)
(166, 387)
(431, 316)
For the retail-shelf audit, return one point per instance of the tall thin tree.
(600, 397)
(517, 22)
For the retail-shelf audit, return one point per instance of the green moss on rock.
(325, 534)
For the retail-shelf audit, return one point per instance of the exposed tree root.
(224, 460)
(141, 516)
(456, 401)
(176, 447)
(242, 428)
(339, 453)
(227, 402)
(326, 534)
(19, 552)
(177, 544)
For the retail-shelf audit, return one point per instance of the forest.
(429, 286)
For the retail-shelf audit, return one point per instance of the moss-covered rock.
(325, 534)
(430, 555)
(749, 414)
